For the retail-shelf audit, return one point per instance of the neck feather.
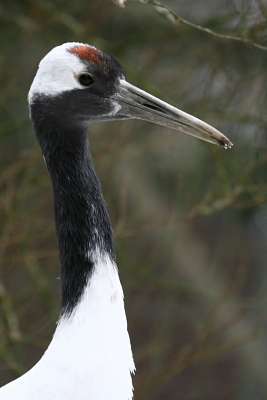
(82, 221)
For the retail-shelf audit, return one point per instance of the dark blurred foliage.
(190, 219)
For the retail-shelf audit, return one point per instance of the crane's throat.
(82, 221)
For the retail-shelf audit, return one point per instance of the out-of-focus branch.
(176, 19)
(120, 3)
(9, 315)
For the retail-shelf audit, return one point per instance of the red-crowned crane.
(90, 356)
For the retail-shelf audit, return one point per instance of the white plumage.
(79, 362)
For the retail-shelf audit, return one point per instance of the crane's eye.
(85, 79)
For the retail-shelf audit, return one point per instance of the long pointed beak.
(138, 104)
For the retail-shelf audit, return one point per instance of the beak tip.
(225, 143)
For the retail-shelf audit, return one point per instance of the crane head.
(77, 84)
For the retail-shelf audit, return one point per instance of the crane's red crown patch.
(87, 53)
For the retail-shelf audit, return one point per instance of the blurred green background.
(190, 220)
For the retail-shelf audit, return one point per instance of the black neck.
(82, 220)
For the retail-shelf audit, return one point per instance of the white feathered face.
(77, 83)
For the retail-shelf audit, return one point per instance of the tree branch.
(176, 19)
(120, 3)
